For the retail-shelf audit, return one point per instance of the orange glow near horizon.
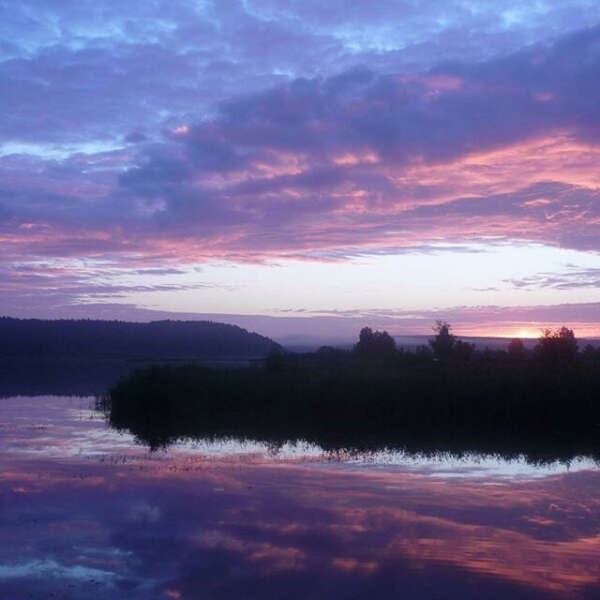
(527, 333)
(581, 330)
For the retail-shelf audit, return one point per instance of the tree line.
(34, 338)
(554, 347)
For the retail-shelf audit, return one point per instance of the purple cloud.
(151, 136)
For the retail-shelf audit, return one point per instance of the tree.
(557, 347)
(443, 343)
(516, 349)
(374, 344)
(463, 351)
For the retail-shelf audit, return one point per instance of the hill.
(35, 338)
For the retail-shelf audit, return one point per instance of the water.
(85, 512)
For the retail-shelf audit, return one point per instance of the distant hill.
(34, 338)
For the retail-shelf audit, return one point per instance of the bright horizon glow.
(527, 334)
(475, 275)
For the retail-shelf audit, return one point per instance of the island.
(448, 396)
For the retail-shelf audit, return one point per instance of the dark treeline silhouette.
(33, 338)
(375, 344)
(444, 397)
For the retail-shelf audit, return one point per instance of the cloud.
(281, 526)
(326, 163)
(258, 131)
(572, 278)
(56, 287)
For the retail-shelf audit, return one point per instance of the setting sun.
(527, 333)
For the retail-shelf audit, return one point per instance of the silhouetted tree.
(423, 352)
(463, 351)
(516, 349)
(374, 343)
(443, 343)
(557, 347)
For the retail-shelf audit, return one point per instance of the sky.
(303, 168)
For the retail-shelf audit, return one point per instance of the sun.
(527, 333)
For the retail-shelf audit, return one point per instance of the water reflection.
(85, 513)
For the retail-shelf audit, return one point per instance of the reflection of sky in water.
(87, 513)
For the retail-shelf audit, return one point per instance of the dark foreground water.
(87, 513)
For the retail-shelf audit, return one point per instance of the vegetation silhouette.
(85, 338)
(558, 349)
(377, 344)
(450, 398)
(442, 344)
(516, 349)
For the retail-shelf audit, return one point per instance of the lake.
(86, 512)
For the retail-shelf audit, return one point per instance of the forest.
(36, 338)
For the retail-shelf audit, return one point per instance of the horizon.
(302, 168)
(295, 337)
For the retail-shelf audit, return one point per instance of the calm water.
(87, 513)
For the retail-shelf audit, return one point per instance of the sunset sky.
(303, 167)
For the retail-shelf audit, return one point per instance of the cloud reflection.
(185, 523)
